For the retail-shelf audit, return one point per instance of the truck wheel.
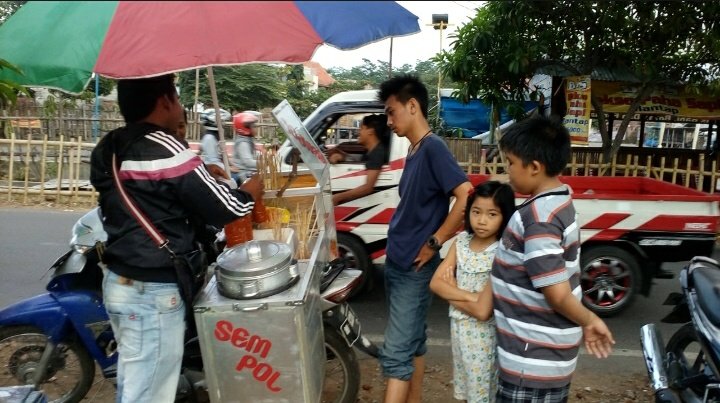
(610, 278)
(354, 251)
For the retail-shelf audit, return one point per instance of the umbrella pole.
(218, 121)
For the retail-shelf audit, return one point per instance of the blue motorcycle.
(54, 339)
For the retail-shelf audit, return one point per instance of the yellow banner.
(577, 99)
(616, 97)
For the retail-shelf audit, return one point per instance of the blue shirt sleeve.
(443, 166)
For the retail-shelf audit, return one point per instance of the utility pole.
(440, 22)
(390, 63)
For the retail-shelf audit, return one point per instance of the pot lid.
(255, 258)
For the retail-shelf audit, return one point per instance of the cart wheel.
(357, 257)
(342, 371)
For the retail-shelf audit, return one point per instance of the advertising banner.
(577, 99)
(674, 102)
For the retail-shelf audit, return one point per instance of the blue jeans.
(148, 320)
(408, 297)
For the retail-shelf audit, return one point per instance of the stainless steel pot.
(256, 269)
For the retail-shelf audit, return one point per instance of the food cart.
(271, 348)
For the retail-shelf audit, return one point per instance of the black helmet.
(208, 120)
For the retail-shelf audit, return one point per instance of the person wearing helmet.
(210, 151)
(244, 160)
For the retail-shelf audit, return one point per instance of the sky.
(408, 49)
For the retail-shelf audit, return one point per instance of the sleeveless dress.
(473, 341)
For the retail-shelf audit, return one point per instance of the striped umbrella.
(59, 44)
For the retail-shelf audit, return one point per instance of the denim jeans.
(148, 320)
(408, 297)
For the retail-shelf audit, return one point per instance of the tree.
(373, 74)
(8, 8)
(660, 43)
(247, 87)
(8, 89)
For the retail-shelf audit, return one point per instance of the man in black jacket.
(171, 187)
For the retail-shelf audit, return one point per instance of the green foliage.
(8, 89)
(105, 87)
(495, 54)
(247, 87)
(371, 75)
(8, 8)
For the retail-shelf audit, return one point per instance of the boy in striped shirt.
(535, 276)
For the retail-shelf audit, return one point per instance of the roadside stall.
(259, 317)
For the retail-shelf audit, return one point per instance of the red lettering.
(247, 361)
(709, 106)
(223, 329)
(270, 383)
(262, 372)
(574, 95)
(258, 345)
(239, 337)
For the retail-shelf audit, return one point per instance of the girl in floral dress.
(463, 280)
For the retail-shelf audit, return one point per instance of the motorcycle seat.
(707, 287)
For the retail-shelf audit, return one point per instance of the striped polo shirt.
(537, 347)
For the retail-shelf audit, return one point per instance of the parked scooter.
(686, 370)
(52, 339)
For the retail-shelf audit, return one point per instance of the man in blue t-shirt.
(418, 228)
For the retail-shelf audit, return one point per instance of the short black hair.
(137, 97)
(502, 195)
(378, 123)
(405, 87)
(541, 139)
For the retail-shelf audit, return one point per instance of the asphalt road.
(31, 239)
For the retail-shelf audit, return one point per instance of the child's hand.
(448, 274)
(598, 338)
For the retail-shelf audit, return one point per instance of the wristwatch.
(433, 243)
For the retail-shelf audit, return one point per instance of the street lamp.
(440, 22)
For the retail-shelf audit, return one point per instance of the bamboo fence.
(691, 174)
(47, 159)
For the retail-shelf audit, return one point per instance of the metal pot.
(256, 269)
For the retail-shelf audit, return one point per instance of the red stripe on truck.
(343, 211)
(606, 220)
(608, 235)
(680, 223)
(382, 217)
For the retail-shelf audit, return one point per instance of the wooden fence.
(57, 171)
(44, 156)
(691, 173)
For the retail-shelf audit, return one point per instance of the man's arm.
(363, 190)
(246, 155)
(598, 338)
(449, 226)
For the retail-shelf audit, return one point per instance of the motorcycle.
(686, 369)
(52, 341)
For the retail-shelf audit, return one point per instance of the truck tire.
(353, 249)
(610, 278)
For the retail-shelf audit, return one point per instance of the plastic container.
(259, 213)
(239, 231)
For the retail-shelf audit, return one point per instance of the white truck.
(629, 225)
